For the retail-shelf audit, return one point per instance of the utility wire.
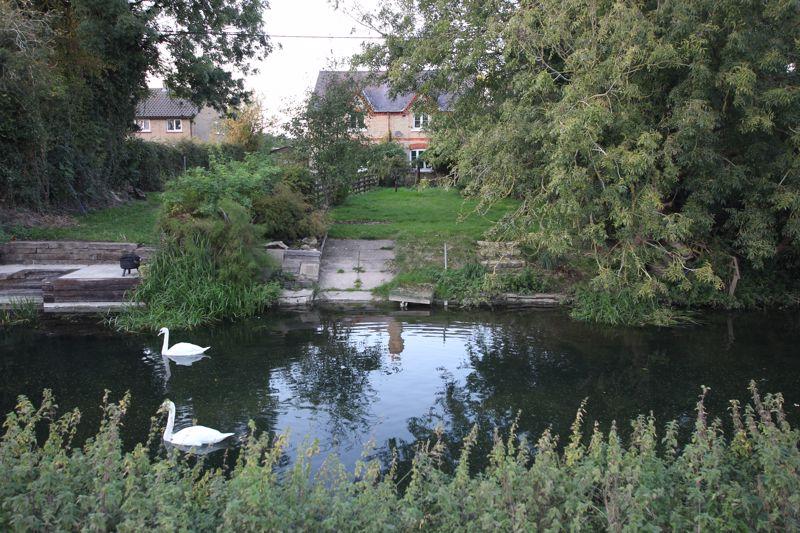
(272, 35)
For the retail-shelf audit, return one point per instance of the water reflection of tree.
(332, 374)
(542, 366)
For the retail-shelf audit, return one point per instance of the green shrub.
(463, 286)
(149, 165)
(286, 215)
(388, 162)
(211, 264)
(593, 482)
(198, 191)
(299, 178)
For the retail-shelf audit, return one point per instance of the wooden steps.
(94, 283)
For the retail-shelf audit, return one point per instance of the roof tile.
(377, 94)
(159, 104)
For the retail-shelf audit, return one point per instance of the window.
(143, 124)
(421, 120)
(415, 156)
(174, 125)
(356, 121)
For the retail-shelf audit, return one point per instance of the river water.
(391, 378)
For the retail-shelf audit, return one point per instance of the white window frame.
(174, 121)
(140, 123)
(421, 121)
(414, 155)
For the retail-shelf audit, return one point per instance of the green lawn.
(133, 222)
(421, 221)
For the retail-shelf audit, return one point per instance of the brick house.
(387, 118)
(161, 117)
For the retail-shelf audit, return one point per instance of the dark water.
(392, 378)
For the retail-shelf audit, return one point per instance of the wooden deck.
(421, 295)
(94, 283)
(66, 287)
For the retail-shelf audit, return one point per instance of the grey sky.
(288, 73)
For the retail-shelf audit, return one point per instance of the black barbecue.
(128, 262)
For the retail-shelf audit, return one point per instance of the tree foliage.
(658, 139)
(325, 137)
(245, 126)
(72, 73)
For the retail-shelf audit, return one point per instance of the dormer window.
(421, 121)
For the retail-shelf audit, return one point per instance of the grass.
(133, 222)
(21, 311)
(420, 221)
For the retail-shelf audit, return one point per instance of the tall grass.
(471, 285)
(21, 311)
(595, 481)
(182, 288)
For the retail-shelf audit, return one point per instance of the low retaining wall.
(68, 252)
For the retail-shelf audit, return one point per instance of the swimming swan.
(191, 436)
(182, 349)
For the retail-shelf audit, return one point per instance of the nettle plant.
(747, 481)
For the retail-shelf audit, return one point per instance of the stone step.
(345, 296)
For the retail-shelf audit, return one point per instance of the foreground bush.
(748, 482)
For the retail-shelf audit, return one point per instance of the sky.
(287, 75)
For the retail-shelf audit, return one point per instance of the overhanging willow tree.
(656, 145)
(72, 71)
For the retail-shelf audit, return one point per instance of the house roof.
(377, 95)
(159, 104)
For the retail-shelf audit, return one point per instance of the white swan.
(182, 349)
(192, 436)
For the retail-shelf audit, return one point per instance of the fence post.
(445, 267)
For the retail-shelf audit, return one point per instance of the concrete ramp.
(351, 268)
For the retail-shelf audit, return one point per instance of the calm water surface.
(392, 378)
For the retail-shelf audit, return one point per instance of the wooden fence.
(359, 185)
(363, 184)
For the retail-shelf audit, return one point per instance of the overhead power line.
(274, 35)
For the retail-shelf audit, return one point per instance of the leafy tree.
(327, 139)
(388, 162)
(245, 126)
(74, 71)
(659, 140)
